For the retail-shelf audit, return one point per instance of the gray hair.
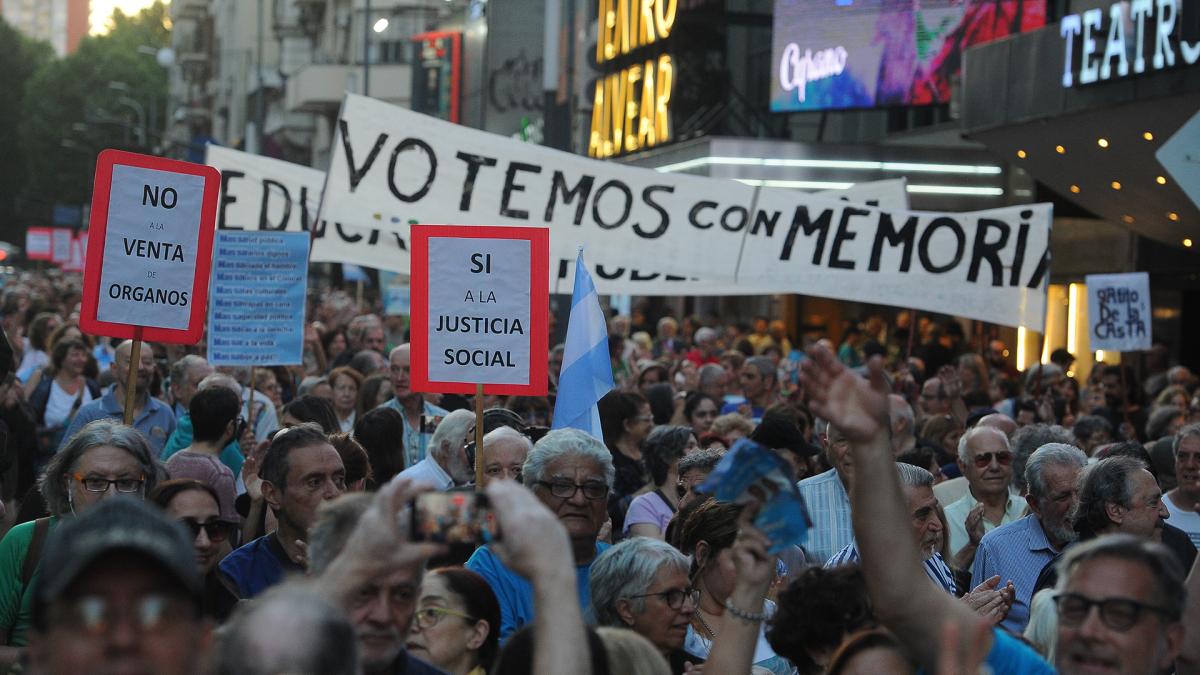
(763, 365)
(332, 528)
(705, 334)
(179, 369)
(562, 442)
(971, 433)
(289, 629)
(53, 482)
(705, 460)
(627, 570)
(1054, 454)
(450, 431)
(710, 374)
(506, 433)
(900, 408)
(309, 383)
(912, 476)
(1029, 438)
(1184, 433)
(1105, 482)
(221, 380)
(1040, 371)
(1163, 566)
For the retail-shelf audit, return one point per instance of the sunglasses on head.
(1002, 458)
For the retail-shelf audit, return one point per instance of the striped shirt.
(829, 507)
(935, 567)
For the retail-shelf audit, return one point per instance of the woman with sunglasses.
(103, 459)
(456, 625)
(195, 505)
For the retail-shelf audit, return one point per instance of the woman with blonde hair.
(631, 654)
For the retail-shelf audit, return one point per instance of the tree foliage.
(19, 59)
(71, 110)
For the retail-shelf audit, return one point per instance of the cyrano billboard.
(831, 54)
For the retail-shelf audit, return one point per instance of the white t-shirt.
(60, 403)
(1188, 521)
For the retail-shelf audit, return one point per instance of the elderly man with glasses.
(572, 474)
(102, 460)
(985, 459)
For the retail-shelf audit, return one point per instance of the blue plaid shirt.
(829, 507)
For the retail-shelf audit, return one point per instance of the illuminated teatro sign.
(631, 107)
(1135, 28)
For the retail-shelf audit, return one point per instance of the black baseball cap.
(117, 524)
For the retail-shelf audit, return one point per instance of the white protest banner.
(1119, 311)
(78, 254)
(38, 243)
(480, 307)
(149, 249)
(391, 166)
(60, 245)
(260, 193)
(259, 285)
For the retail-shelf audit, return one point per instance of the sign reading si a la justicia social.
(479, 309)
(150, 248)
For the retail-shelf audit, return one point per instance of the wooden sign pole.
(135, 364)
(479, 437)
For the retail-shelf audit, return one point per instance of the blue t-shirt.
(257, 566)
(516, 594)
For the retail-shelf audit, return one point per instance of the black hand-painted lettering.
(357, 173)
(511, 186)
(742, 216)
(581, 191)
(227, 199)
(267, 186)
(960, 245)
(801, 221)
(983, 249)
(842, 235)
(628, 195)
(763, 220)
(886, 231)
(407, 144)
(473, 164)
(664, 218)
(696, 209)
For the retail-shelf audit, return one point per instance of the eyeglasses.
(215, 529)
(591, 491)
(674, 597)
(1002, 458)
(432, 616)
(97, 484)
(95, 614)
(1119, 614)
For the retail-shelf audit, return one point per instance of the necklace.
(712, 635)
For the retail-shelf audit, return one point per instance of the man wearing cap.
(780, 432)
(214, 412)
(299, 471)
(119, 592)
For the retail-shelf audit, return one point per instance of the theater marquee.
(631, 107)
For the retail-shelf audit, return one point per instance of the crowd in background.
(1011, 481)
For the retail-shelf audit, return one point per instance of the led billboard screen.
(831, 54)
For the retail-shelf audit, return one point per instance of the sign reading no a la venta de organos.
(150, 248)
(479, 309)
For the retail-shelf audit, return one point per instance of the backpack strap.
(33, 555)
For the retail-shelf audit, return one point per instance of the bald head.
(145, 366)
(1000, 421)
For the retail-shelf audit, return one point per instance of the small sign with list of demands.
(479, 309)
(256, 315)
(150, 248)
(1119, 311)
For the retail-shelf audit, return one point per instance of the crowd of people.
(962, 516)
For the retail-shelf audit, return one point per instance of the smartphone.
(460, 517)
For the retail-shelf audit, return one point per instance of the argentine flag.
(586, 374)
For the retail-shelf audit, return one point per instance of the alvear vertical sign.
(631, 105)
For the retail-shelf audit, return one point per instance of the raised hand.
(859, 409)
(974, 525)
(951, 384)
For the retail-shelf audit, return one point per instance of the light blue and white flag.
(586, 374)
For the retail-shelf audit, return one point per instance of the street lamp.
(137, 108)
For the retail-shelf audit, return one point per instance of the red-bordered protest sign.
(38, 243)
(149, 248)
(479, 309)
